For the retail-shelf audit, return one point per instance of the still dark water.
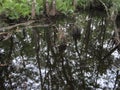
(67, 54)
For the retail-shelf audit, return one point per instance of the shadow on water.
(68, 55)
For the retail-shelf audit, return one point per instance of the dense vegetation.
(15, 9)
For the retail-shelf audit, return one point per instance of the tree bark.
(33, 9)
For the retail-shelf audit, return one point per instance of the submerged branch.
(45, 25)
(26, 24)
(16, 25)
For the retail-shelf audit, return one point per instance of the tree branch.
(111, 51)
(16, 25)
(26, 24)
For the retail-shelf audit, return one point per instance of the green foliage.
(84, 3)
(116, 4)
(15, 9)
(39, 6)
(64, 6)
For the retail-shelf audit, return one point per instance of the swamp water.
(66, 54)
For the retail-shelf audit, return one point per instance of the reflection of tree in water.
(68, 57)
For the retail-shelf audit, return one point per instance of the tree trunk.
(33, 9)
